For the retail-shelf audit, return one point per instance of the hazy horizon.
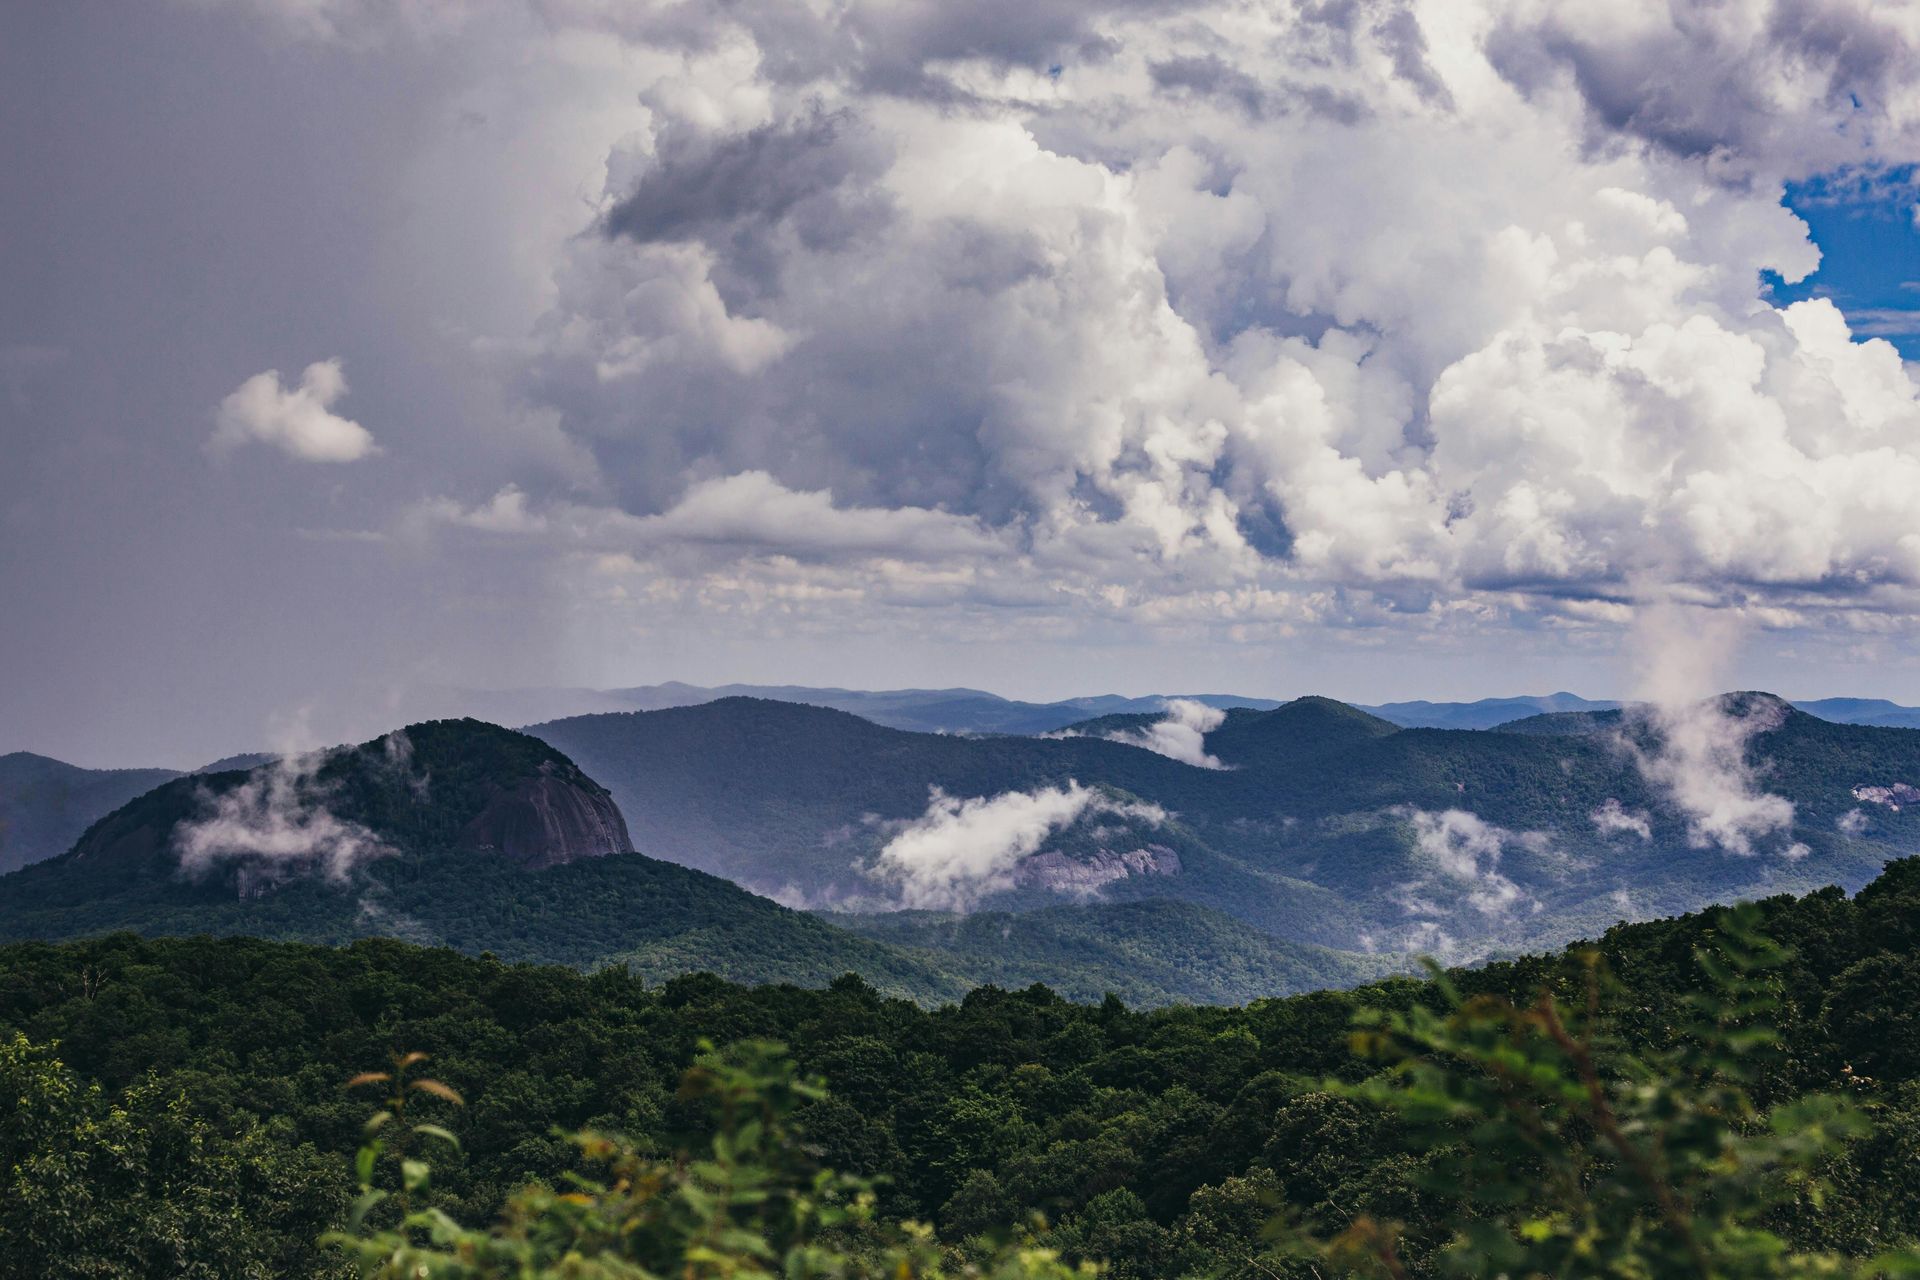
(539, 703)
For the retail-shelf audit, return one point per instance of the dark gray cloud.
(703, 186)
(1708, 81)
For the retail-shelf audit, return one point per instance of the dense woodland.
(177, 1106)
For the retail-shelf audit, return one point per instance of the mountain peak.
(1308, 725)
(440, 786)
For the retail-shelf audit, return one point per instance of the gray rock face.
(547, 821)
(1053, 870)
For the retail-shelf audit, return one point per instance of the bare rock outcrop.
(547, 821)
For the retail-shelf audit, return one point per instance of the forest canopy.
(178, 1106)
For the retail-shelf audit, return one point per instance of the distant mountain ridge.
(1324, 825)
(485, 839)
(45, 804)
(1486, 713)
(965, 710)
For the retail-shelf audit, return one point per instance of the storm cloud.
(903, 342)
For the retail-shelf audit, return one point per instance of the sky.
(352, 350)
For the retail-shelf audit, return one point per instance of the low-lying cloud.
(274, 825)
(1691, 744)
(963, 849)
(1467, 849)
(1612, 819)
(1181, 736)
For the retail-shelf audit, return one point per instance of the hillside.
(485, 840)
(1329, 826)
(452, 831)
(1139, 951)
(45, 804)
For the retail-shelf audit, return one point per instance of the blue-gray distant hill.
(1326, 825)
(45, 804)
(926, 710)
(1483, 714)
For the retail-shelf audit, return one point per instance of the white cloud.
(1265, 301)
(1181, 736)
(1852, 822)
(1691, 743)
(505, 512)
(1198, 315)
(961, 850)
(741, 515)
(1466, 849)
(276, 823)
(295, 420)
(753, 509)
(1610, 818)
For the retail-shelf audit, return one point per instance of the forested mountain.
(455, 832)
(1161, 1142)
(1138, 951)
(486, 840)
(45, 804)
(1307, 837)
(1320, 823)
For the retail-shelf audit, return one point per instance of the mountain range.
(487, 840)
(963, 710)
(1164, 856)
(1320, 824)
(45, 804)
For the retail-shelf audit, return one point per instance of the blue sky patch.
(1870, 253)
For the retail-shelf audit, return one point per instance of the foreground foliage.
(755, 1203)
(1607, 1112)
(1552, 1149)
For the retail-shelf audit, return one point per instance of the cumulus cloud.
(296, 420)
(1181, 736)
(1611, 818)
(1395, 313)
(961, 850)
(506, 512)
(734, 516)
(1252, 314)
(277, 824)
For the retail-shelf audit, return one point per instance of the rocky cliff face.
(547, 821)
(1085, 877)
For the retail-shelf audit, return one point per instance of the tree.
(750, 1206)
(143, 1186)
(1561, 1152)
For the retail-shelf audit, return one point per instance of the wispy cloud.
(276, 823)
(1692, 744)
(1181, 735)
